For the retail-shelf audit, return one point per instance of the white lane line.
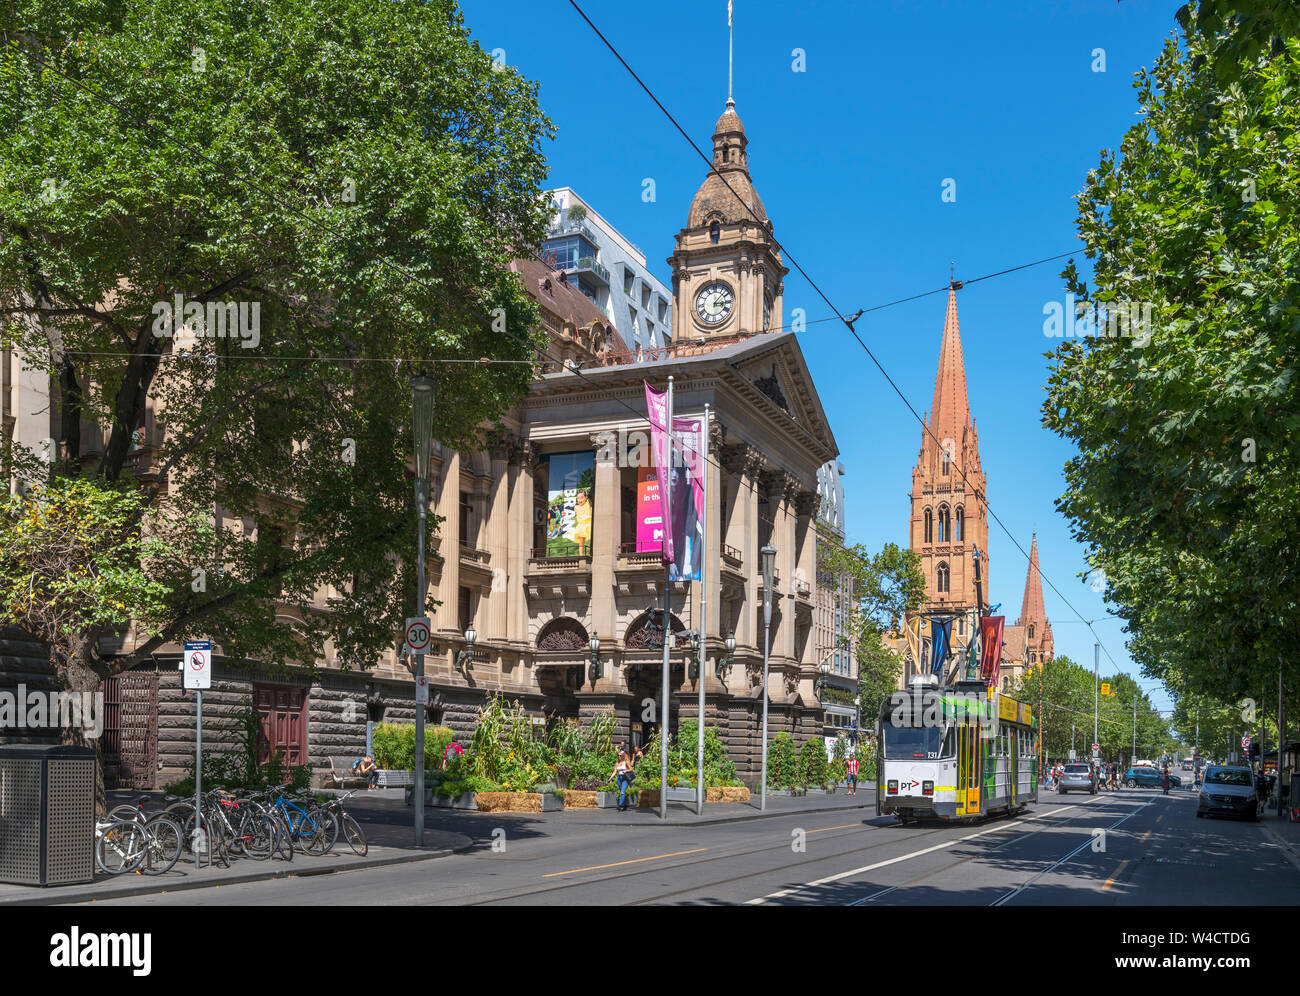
(875, 895)
(1087, 843)
(902, 857)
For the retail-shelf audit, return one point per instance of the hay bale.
(509, 802)
(580, 799)
(648, 799)
(735, 793)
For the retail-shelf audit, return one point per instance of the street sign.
(422, 689)
(1096, 748)
(1074, 755)
(1245, 743)
(419, 635)
(198, 664)
(1105, 688)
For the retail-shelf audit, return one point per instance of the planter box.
(817, 791)
(591, 799)
(466, 801)
(680, 794)
(392, 777)
(518, 802)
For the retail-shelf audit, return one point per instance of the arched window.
(941, 579)
(929, 526)
(960, 534)
(715, 232)
(945, 524)
(563, 633)
(945, 461)
(1031, 631)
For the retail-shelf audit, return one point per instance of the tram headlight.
(893, 786)
(927, 788)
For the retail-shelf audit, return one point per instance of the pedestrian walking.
(623, 774)
(852, 766)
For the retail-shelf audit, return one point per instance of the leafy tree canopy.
(1184, 488)
(359, 173)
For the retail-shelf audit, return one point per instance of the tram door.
(969, 770)
(1011, 738)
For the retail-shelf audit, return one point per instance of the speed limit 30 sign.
(419, 635)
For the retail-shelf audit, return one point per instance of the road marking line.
(1160, 817)
(1146, 836)
(902, 857)
(1111, 881)
(875, 895)
(634, 861)
(846, 826)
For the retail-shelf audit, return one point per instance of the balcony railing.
(594, 268)
(540, 561)
(633, 555)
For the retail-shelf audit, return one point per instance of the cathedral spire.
(950, 411)
(1032, 609)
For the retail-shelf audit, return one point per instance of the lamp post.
(722, 668)
(464, 658)
(422, 428)
(768, 555)
(597, 672)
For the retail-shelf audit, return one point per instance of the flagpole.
(702, 465)
(731, 37)
(668, 619)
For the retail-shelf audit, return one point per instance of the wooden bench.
(341, 772)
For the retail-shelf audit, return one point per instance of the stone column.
(712, 625)
(747, 625)
(446, 503)
(521, 459)
(496, 540)
(607, 501)
(786, 542)
(805, 506)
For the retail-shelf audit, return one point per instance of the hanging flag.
(687, 499)
(972, 659)
(942, 630)
(912, 632)
(991, 628)
(657, 408)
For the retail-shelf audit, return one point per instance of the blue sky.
(850, 157)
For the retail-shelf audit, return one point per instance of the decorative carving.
(605, 443)
(805, 503)
(501, 445)
(790, 486)
(770, 386)
(754, 464)
(564, 633)
(646, 632)
(717, 433)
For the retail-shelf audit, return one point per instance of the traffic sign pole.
(198, 777)
(196, 668)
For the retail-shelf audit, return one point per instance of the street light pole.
(1096, 688)
(422, 428)
(768, 555)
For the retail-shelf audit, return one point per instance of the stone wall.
(23, 662)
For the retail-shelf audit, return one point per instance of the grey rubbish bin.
(47, 815)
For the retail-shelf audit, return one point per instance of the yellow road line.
(1146, 836)
(844, 827)
(1160, 817)
(675, 854)
(1111, 881)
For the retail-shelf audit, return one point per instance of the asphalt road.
(1133, 847)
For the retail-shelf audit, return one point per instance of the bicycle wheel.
(257, 834)
(127, 813)
(326, 832)
(353, 835)
(164, 846)
(120, 848)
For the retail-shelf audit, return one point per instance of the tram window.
(917, 742)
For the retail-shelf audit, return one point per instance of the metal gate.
(131, 730)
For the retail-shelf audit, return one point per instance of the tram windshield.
(903, 743)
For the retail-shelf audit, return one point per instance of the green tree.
(1188, 430)
(883, 587)
(362, 174)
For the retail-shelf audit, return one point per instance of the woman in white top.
(623, 775)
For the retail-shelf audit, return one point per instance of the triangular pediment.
(781, 376)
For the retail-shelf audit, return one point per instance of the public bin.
(47, 815)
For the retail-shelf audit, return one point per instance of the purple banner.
(688, 500)
(657, 407)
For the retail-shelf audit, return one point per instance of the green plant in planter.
(781, 762)
(812, 762)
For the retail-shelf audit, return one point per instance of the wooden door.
(282, 714)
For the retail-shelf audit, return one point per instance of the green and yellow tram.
(955, 753)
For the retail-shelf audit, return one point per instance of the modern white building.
(835, 651)
(610, 270)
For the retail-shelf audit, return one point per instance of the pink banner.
(657, 408)
(649, 512)
(688, 500)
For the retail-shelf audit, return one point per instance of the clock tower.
(727, 272)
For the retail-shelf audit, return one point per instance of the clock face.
(713, 304)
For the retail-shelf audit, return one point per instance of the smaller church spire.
(1032, 608)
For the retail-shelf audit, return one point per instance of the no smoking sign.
(198, 664)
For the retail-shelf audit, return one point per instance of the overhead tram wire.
(979, 496)
(398, 268)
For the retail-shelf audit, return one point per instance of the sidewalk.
(389, 842)
(387, 803)
(1282, 831)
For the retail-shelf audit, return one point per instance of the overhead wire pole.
(668, 619)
